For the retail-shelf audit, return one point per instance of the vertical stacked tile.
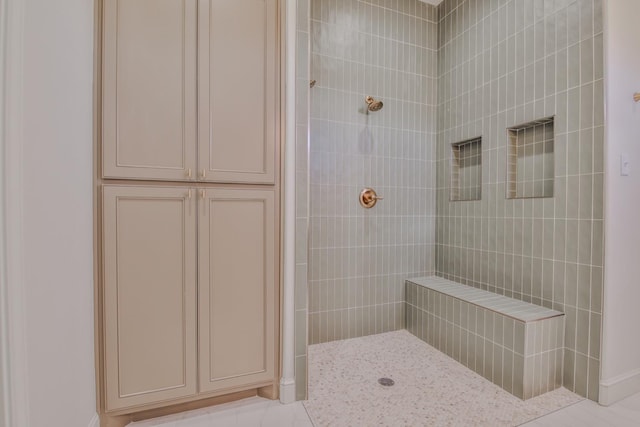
(466, 170)
(302, 201)
(358, 258)
(524, 357)
(543, 356)
(501, 64)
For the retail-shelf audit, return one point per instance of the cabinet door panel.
(236, 288)
(149, 89)
(238, 81)
(149, 294)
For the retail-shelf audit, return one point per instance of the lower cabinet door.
(237, 254)
(149, 242)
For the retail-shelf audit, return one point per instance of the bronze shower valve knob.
(369, 198)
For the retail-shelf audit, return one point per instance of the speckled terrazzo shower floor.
(431, 389)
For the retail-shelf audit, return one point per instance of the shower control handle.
(369, 198)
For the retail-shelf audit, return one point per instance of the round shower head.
(373, 105)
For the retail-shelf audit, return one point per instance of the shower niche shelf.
(530, 159)
(466, 170)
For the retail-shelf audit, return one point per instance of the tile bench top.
(519, 310)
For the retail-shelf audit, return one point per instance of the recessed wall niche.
(466, 170)
(530, 162)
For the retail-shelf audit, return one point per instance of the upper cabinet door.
(149, 237)
(238, 86)
(149, 89)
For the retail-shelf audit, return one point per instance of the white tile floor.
(257, 412)
(252, 412)
(431, 390)
(625, 413)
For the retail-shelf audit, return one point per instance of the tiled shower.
(361, 257)
(488, 153)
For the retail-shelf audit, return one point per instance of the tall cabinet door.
(149, 237)
(237, 318)
(149, 89)
(238, 83)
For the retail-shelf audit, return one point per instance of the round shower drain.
(387, 382)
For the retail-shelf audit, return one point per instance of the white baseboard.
(287, 391)
(95, 421)
(620, 387)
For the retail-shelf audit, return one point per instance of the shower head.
(373, 105)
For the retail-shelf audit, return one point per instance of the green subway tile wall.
(502, 63)
(358, 258)
(517, 348)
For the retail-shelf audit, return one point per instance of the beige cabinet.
(236, 270)
(188, 271)
(149, 252)
(237, 92)
(190, 90)
(154, 302)
(149, 89)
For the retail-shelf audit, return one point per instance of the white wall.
(58, 219)
(621, 347)
(4, 334)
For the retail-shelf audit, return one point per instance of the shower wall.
(359, 258)
(503, 63)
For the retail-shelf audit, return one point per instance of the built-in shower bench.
(516, 345)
